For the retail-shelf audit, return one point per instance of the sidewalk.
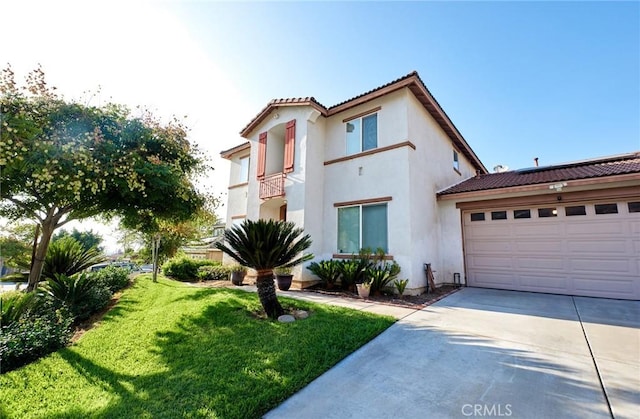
(363, 305)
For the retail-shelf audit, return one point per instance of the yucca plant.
(352, 271)
(264, 245)
(381, 275)
(67, 256)
(327, 270)
(82, 294)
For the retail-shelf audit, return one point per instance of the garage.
(583, 248)
(571, 228)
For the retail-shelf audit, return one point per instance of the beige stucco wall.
(436, 232)
(420, 229)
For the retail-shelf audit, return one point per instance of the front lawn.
(171, 350)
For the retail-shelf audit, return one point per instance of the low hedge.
(35, 334)
(213, 273)
(185, 268)
(113, 278)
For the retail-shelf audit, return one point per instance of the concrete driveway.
(489, 353)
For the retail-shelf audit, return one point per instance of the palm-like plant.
(264, 245)
(67, 256)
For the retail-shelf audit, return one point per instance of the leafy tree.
(63, 160)
(87, 239)
(264, 245)
(16, 245)
(163, 238)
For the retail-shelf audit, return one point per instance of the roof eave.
(226, 154)
(246, 132)
(537, 188)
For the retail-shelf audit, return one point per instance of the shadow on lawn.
(221, 363)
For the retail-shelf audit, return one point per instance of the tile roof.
(593, 168)
(412, 81)
(275, 103)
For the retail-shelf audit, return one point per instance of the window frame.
(552, 212)
(456, 161)
(360, 229)
(633, 207)
(499, 215)
(360, 119)
(243, 177)
(575, 210)
(605, 209)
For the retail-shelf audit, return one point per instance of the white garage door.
(589, 249)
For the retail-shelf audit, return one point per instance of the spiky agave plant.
(264, 245)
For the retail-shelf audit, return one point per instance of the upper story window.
(243, 174)
(362, 133)
(456, 161)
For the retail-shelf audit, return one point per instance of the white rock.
(300, 314)
(286, 318)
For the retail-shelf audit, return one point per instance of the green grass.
(169, 350)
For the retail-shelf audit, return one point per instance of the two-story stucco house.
(361, 174)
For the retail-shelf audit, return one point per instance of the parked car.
(146, 268)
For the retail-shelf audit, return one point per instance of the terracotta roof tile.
(408, 76)
(605, 166)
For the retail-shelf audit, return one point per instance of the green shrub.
(185, 268)
(16, 305)
(352, 271)
(213, 273)
(67, 256)
(15, 277)
(400, 285)
(83, 294)
(327, 270)
(381, 274)
(113, 278)
(34, 335)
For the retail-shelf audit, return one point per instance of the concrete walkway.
(488, 353)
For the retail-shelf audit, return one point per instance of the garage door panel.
(592, 228)
(537, 246)
(494, 279)
(535, 230)
(539, 263)
(490, 246)
(600, 285)
(490, 231)
(544, 283)
(604, 266)
(492, 262)
(613, 247)
(591, 255)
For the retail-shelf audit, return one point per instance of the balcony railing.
(272, 186)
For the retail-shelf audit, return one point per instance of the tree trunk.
(154, 256)
(37, 262)
(267, 294)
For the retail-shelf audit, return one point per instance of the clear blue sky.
(554, 80)
(558, 81)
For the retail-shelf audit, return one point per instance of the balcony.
(272, 186)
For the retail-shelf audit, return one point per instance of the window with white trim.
(456, 161)
(362, 133)
(243, 174)
(362, 226)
